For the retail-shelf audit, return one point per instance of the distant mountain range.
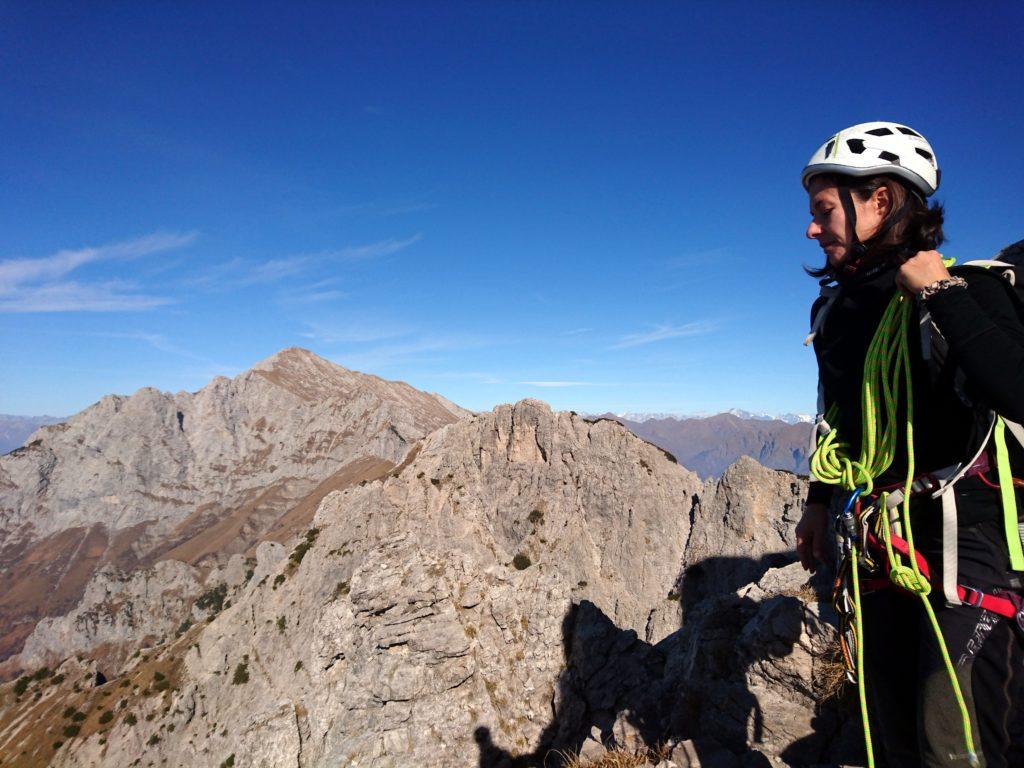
(708, 445)
(789, 418)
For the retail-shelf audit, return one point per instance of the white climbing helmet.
(868, 149)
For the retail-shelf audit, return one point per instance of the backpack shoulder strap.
(820, 310)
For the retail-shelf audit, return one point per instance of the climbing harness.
(873, 525)
(886, 385)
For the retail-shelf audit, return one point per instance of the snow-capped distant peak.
(789, 418)
(642, 416)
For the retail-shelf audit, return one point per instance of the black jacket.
(983, 328)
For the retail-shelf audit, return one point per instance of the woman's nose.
(813, 230)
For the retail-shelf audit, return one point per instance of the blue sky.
(597, 204)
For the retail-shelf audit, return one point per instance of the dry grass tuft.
(830, 674)
(613, 758)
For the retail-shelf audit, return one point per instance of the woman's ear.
(882, 201)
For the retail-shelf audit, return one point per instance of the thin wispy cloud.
(663, 332)
(409, 350)
(382, 209)
(216, 276)
(273, 270)
(478, 376)
(704, 258)
(238, 273)
(313, 297)
(373, 250)
(576, 331)
(38, 284)
(314, 293)
(161, 343)
(111, 296)
(353, 333)
(15, 272)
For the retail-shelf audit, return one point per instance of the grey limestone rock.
(196, 477)
(118, 610)
(512, 590)
(743, 525)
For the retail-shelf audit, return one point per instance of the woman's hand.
(811, 533)
(921, 270)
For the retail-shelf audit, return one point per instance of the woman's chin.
(836, 257)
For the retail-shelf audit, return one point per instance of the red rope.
(1016, 482)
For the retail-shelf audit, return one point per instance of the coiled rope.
(887, 377)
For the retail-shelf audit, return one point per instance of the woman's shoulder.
(989, 292)
(980, 269)
(990, 280)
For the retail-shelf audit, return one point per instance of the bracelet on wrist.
(941, 285)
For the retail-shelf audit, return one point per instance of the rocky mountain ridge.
(194, 477)
(515, 587)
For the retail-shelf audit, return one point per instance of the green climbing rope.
(858, 632)
(887, 377)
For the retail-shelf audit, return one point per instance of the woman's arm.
(983, 328)
(818, 492)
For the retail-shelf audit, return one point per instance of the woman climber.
(921, 397)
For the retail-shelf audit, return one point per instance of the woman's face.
(828, 218)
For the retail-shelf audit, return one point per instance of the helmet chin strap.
(855, 249)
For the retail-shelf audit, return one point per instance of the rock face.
(194, 477)
(745, 682)
(514, 587)
(119, 610)
(759, 671)
(744, 524)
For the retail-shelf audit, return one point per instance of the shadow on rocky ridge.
(738, 686)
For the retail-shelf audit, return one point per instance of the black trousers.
(914, 717)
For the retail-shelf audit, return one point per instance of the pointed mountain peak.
(293, 357)
(308, 375)
(314, 379)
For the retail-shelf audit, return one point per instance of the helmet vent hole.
(828, 149)
(880, 132)
(925, 154)
(907, 132)
(856, 145)
(889, 157)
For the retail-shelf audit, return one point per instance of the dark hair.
(910, 226)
